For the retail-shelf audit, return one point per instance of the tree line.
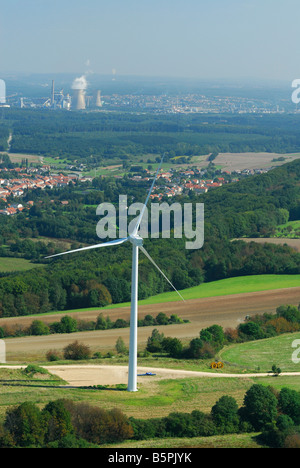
(212, 339)
(206, 346)
(65, 424)
(69, 324)
(275, 414)
(97, 280)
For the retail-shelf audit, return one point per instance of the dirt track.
(89, 375)
(227, 311)
(77, 376)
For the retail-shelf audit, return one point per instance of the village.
(29, 179)
(172, 183)
(177, 182)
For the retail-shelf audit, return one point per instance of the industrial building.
(78, 101)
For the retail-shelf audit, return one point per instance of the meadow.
(290, 230)
(155, 398)
(10, 264)
(152, 400)
(224, 441)
(261, 355)
(229, 286)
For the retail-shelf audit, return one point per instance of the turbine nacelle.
(136, 240)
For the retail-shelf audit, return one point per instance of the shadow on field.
(24, 383)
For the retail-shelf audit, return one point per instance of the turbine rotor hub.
(136, 240)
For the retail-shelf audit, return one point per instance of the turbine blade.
(151, 260)
(147, 199)
(96, 246)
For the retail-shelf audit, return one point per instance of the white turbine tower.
(137, 243)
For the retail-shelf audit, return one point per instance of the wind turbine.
(137, 244)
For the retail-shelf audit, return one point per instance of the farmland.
(249, 161)
(225, 303)
(175, 387)
(10, 264)
(261, 355)
(154, 398)
(294, 243)
(225, 441)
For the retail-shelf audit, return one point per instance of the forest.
(95, 137)
(4, 134)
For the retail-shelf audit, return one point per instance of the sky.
(202, 39)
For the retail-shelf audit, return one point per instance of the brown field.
(227, 311)
(32, 158)
(294, 243)
(84, 375)
(241, 161)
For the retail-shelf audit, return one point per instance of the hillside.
(257, 204)
(251, 207)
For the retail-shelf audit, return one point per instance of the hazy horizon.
(197, 39)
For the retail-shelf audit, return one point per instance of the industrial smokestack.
(79, 99)
(52, 93)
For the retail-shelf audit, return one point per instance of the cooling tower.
(98, 99)
(2, 92)
(79, 99)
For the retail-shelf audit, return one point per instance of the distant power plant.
(57, 100)
(78, 101)
(82, 101)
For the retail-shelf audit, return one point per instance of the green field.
(290, 230)
(8, 264)
(238, 285)
(221, 441)
(262, 354)
(226, 287)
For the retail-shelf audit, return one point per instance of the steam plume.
(80, 83)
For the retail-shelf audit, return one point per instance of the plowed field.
(227, 311)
